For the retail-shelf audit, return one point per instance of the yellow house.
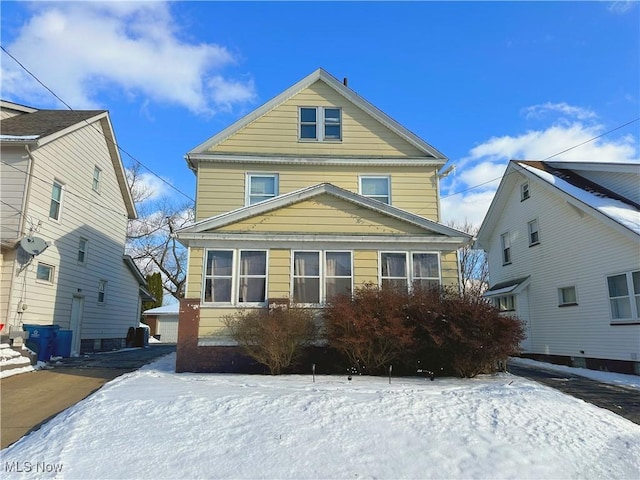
(315, 192)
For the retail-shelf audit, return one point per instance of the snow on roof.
(18, 137)
(624, 214)
(171, 309)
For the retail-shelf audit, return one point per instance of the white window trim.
(85, 251)
(496, 302)
(381, 176)
(235, 278)
(61, 201)
(503, 246)
(635, 314)
(247, 185)
(102, 283)
(524, 191)
(322, 254)
(52, 271)
(96, 180)
(530, 232)
(561, 302)
(320, 124)
(408, 258)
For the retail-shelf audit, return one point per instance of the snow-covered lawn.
(155, 424)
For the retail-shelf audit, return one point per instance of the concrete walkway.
(29, 400)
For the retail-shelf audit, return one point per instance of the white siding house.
(563, 246)
(63, 182)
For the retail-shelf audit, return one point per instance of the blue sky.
(482, 82)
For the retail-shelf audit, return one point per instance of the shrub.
(370, 327)
(273, 337)
(462, 334)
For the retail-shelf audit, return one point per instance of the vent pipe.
(345, 81)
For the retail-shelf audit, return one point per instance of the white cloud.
(80, 48)
(477, 175)
(621, 7)
(147, 186)
(537, 111)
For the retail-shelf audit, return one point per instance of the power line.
(547, 158)
(92, 126)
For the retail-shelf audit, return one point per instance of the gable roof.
(39, 127)
(313, 191)
(320, 75)
(609, 206)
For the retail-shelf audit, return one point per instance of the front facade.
(314, 193)
(63, 183)
(563, 246)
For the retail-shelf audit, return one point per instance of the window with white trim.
(55, 206)
(505, 303)
(377, 187)
(318, 275)
(567, 296)
(506, 248)
(235, 277)
(96, 179)
(261, 187)
(395, 271)
(534, 233)
(320, 123)
(624, 296)
(524, 191)
(44, 272)
(102, 291)
(82, 250)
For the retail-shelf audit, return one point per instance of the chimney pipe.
(345, 81)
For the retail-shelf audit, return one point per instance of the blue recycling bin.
(41, 339)
(62, 344)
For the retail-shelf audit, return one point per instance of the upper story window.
(376, 187)
(44, 273)
(320, 123)
(534, 233)
(102, 291)
(82, 250)
(506, 248)
(624, 295)
(55, 206)
(261, 187)
(524, 191)
(96, 179)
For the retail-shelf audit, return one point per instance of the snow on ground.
(154, 423)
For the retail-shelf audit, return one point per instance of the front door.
(76, 324)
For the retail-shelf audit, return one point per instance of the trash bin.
(62, 344)
(41, 339)
(142, 337)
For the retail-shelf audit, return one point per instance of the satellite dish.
(33, 245)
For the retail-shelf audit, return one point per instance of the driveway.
(30, 399)
(624, 401)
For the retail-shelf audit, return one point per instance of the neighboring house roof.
(613, 208)
(146, 295)
(510, 286)
(307, 193)
(39, 127)
(319, 75)
(172, 309)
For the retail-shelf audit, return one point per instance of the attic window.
(524, 191)
(320, 123)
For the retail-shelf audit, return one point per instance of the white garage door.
(168, 328)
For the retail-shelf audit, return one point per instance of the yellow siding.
(195, 269)
(276, 132)
(221, 186)
(279, 268)
(212, 321)
(365, 266)
(324, 214)
(449, 268)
